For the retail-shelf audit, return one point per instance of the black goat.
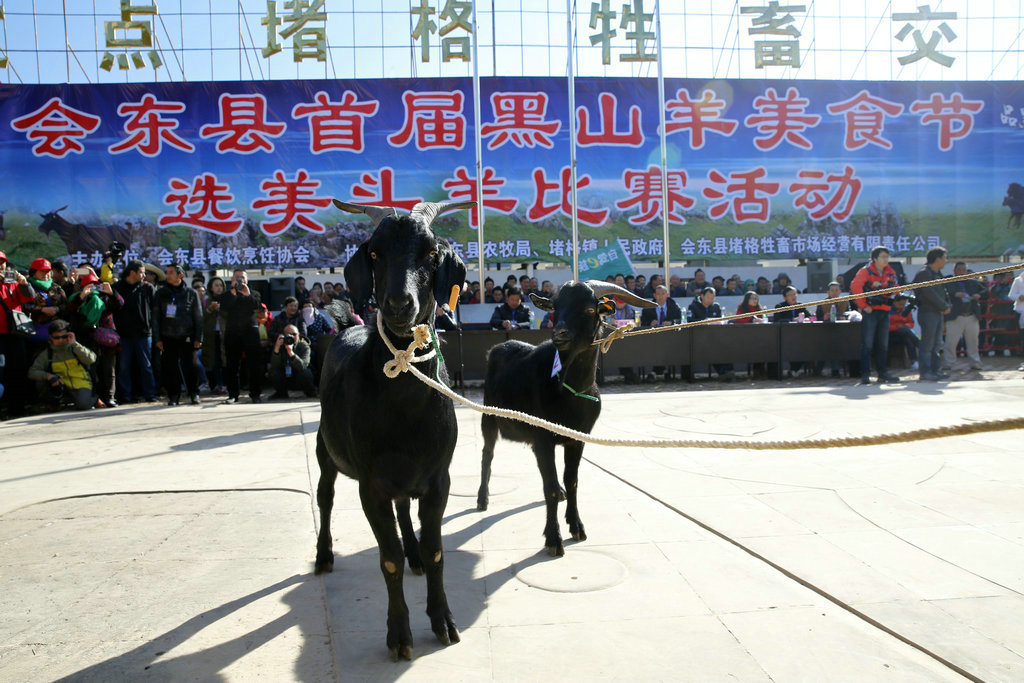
(520, 377)
(395, 436)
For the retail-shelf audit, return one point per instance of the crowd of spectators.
(73, 338)
(949, 316)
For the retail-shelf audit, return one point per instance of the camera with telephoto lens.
(115, 251)
(289, 339)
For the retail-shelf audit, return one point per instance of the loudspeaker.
(819, 274)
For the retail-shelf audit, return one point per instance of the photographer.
(61, 372)
(289, 365)
(901, 326)
(112, 255)
(177, 333)
(241, 337)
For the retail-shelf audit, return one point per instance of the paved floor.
(154, 543)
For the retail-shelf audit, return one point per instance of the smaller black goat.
(395, 436)
(520, 376)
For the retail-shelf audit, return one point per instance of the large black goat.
(395, 436)
(520, 376)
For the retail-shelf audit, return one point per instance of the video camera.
(115, 251)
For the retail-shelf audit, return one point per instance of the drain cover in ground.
(579, 571)
(467, 486)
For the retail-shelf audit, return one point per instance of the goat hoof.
(403, 652)
(481, 505)
(555, 550)
(446, 631)
(324, 565)
(579, 535)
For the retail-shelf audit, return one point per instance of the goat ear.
(451, 271)
(359, 276)
(542, 302)
(605, 306)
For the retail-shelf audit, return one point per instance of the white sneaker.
(913, 366)
(991, 353)
(1006, 352)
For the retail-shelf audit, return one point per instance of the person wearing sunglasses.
(61, 371)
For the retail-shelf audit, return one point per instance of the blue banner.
(228, 173)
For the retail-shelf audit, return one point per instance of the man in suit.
(667, 312)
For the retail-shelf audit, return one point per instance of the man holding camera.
(135, 327)
(177, 333)
(289, 365)
(242, 337)
(61, 371)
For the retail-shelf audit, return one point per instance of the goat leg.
(544, 450)
(409, 542)
(489, 427)
(379, 513)
(573, 454)
(431, 510)
(325, 501)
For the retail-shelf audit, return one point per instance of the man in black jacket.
(177, 333)
(135, 327)
(242, 337)
(513, 313)
(932, 303)
(964, 319)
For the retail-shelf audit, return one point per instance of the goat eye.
(433, 254)
(590, 311)
(373, 255)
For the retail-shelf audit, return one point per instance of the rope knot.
(617, 333)
(403, 359)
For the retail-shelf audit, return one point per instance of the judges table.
(466, 352)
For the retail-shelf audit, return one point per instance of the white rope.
(402, 359)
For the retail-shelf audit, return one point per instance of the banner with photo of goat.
(242, 173)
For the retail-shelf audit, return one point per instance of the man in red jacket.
(875, 311)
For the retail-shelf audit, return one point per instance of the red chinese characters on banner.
(844, 189)
(434, 119)
(380, 190)
(865, 119)
(243, 126)
(198, 206)
(519, 119)
(743, 194)
(781, 119)
(463, 188)
(955, 116)
(336, 125)
(292, 201)
(148, 127)
(57, 128)
(645, 190)
(697, 116)
(606, 135)
(542, 186)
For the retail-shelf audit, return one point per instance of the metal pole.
(570, 34)
(479, 151)
(666, 248)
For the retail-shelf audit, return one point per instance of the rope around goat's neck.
(401, 362)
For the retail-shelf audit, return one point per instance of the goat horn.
(429, 211)
(376, 213)
(609, 289)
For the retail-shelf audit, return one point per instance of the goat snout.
(399, 307)
(561, 337)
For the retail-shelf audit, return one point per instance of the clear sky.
(201, 40)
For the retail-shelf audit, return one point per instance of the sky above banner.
(233, 173)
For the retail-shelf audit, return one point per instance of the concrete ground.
(155, 543)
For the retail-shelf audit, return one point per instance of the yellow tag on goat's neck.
(453, 298)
